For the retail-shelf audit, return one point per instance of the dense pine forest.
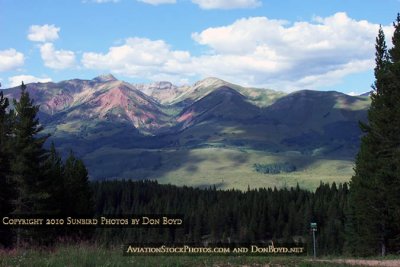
(213, 215)
(359, 218)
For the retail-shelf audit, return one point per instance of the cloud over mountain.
(11, 59)
(301, 54)
(254, 51)
(140, 57)
(56, 59)
(16, 80)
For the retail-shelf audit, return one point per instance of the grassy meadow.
(225, 168)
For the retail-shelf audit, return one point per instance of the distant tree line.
(225, 215)
(34, 180)
(274, 168)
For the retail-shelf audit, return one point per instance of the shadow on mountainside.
(310, 124)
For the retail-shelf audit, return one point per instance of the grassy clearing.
(233, 168)
(86, 255)
(224, 167)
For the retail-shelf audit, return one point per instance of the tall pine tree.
(394, 138)
(33, 180)
(29, 155)
(6, 187)
(373, 215)
(27, 166)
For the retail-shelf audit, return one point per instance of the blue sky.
(280, 44)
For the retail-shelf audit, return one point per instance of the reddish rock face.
(127, 103)
(57, 103)
(103, 98)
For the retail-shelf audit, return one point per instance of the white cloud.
(242, 36)
(227, 4)
(11, 59)
(353, 94)
(16, 80)
(254, 51)
(44, 33)
(281, 55)
(140, 57)
(56, 59)
(157, 2)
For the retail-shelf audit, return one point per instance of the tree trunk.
(383, 249)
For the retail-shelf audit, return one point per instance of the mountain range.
(210, 133)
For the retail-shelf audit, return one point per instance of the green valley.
(208, 134)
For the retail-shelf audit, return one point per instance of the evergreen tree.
(374, 202)
(78, 199)
(29, 155)
(394, 140)
(53, 171)
(27, 166)
(5, 205)
(33, 180)
(6, 187)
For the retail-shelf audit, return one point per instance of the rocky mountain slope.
(139, 125)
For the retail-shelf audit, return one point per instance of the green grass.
(233, 168)
(224, 167)
(88, 255)
(226, 159)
